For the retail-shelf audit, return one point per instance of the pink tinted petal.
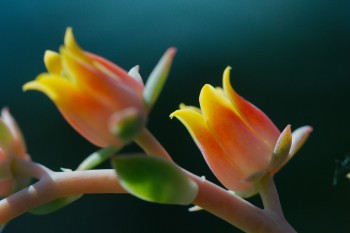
(223, 165)
(119, 72)
(112, 92)
(237, 139)
(261, 123)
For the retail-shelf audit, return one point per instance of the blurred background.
(290, 58)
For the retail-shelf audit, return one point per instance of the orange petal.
(86, 114)
(261, 123)
(118, 71)
(111, 91)
(235, 136)
(222, 165)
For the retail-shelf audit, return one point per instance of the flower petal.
(136, 85)
(83, 118)
(235, 136)
(99, 85)
(222, 165)
(53, 62)
(261, 123)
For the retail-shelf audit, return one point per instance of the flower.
(97, 97)
(238, 141)
(12, 149)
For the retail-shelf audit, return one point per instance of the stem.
(151, 145)
(58, 184)
(220, 202)
(269, 195)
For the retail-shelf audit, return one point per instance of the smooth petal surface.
(67, 97)
(223, 165)
(235, 136)
(261, 123)
(53, 62)
(124, 76)
(99, 85)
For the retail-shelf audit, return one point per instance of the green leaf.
(54, 205)
(154, 179)
(97, 158)
(157, 78)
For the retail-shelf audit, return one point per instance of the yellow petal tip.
(53, 62)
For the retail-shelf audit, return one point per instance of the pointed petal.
(67, 97)
(136, 85)
(134, 73)
(222, 165)
(236, 137)
(261, 123)
(53, 62)
(91, 59)
(299, 136)
(100, 85)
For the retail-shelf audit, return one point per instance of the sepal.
(157, 78)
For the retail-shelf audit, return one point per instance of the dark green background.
(290, 58)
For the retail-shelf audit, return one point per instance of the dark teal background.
(290, 58)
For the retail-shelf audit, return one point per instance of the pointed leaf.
(154, 179)
(281, 150)
(97, 158)
(157, 78)
(54, 205)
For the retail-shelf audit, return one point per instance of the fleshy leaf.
(97, 158)
(157, 78)
(281, 150)
(154, 179)
(54, 205)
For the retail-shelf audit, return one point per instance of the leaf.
(154, 179)
(157, 78)
(54, 205)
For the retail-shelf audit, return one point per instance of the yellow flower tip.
(71, 44)
(182, 105)
(53, 62)
(226, 79)
(40, 84)
(69, 39)
(173, 114)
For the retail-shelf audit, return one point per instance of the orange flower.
(12, 148)
(93, 94)
(236, 139)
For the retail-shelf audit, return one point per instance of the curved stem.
(58, 184)
(220, 202)
(269, 195)
(151, 145)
